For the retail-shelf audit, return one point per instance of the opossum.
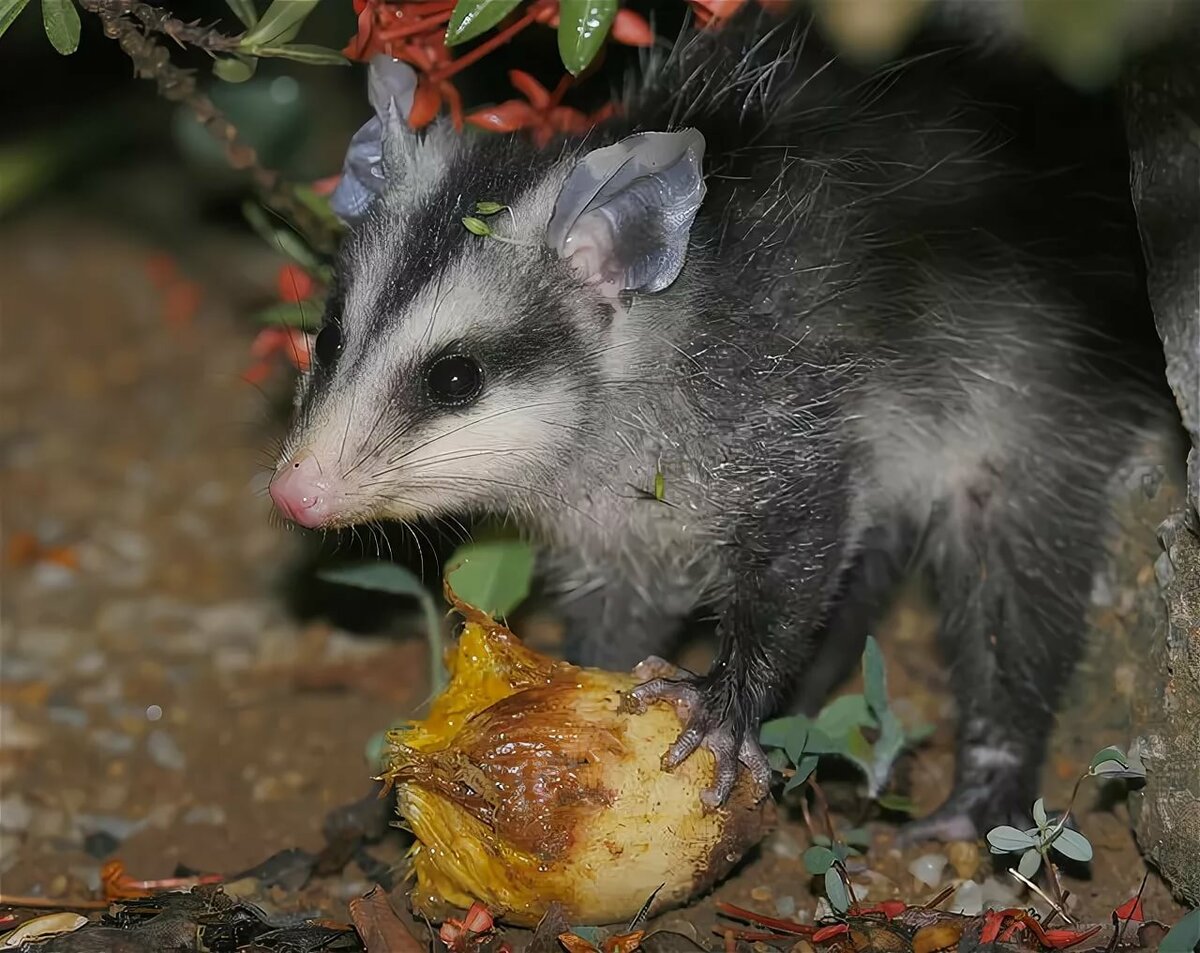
(857, 323)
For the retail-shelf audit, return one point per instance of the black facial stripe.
(503, 170)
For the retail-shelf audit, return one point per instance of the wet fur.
(911, 332)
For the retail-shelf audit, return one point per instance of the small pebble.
(10, 850)
(964, 858)
(88, 875)
(165, 751)
(761, 894)
(205, 814)
(803, 946)
(967, 899)
(114, 742)
(927, 869)
(90, 663)
(116, 827)
(785, 906)
(997, 894)
(58, 886)
(100, 844)
(71, 717)
(824, 911)
(15, 813)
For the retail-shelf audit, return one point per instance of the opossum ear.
(382, 144)
(625, 211)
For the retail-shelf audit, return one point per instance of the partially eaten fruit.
(527, 785)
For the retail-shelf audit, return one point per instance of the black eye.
(329, 345)
(454, 379)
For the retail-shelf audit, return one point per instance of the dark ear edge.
(381, 145)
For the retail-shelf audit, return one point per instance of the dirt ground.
(161, 703)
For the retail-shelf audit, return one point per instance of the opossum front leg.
(766, 640)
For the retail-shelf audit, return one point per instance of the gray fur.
(898, 339)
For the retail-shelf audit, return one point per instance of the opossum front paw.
(712, 720)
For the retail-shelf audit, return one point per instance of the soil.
(163, 703)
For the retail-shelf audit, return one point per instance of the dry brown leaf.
(381, 929)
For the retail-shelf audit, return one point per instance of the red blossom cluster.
(415, 31)
(294, 286)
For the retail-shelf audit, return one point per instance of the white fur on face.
(387, 462)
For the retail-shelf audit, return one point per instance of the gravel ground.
(161, 704)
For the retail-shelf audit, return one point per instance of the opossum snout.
(303, 493)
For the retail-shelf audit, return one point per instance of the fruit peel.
(527, 784)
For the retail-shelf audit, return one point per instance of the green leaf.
(857, 837)
(804, 769)
(279, 24)
(1031, 862)
(817, 860)
(492, 576)
(789, 733)
(1009, 840)
(398, 581)
(244, 11)
(489, 208)
(1184, 937)
(1074, 845)
(477, 226)
(843, 713)
(583, 27)
(887, 749)
(304, 53)
(839, 897)
(1039, 813)
(291, 315)
(379, 576)
(778, 760)
(234, 69)
(897, 802)
(471, 18)
(874, 678)
(62, 25)
(9, 11)
(1108, 754)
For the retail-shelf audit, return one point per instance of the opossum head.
(462, 372)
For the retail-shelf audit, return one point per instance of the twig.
(156, 20)
(823, 803)
(49, 903)
(128, 22)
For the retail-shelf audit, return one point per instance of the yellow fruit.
(527, 785)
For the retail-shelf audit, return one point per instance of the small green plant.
(1184, 936)
(1037, 845)
(842, 729)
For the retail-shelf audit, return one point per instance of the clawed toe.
(730, 739)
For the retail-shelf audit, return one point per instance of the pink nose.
(301, 492)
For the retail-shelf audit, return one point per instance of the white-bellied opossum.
(856, 321)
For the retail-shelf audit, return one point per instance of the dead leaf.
(377, 923)
(53, 924)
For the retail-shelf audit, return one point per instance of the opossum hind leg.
(1012, 561)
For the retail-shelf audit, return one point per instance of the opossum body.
(856, 323)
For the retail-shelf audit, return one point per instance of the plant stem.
(484, 49)
(823, 803)
(130, 23)
(155, 20)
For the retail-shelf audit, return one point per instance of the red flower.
(713, 13)
(270, 343)
(1131, 909)
(294, 284)
(542, 114)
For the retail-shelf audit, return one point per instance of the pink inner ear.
(588, 249)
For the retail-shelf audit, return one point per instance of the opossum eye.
(454, 379)
(329, 345)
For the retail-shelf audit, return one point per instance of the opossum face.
(459, 372)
